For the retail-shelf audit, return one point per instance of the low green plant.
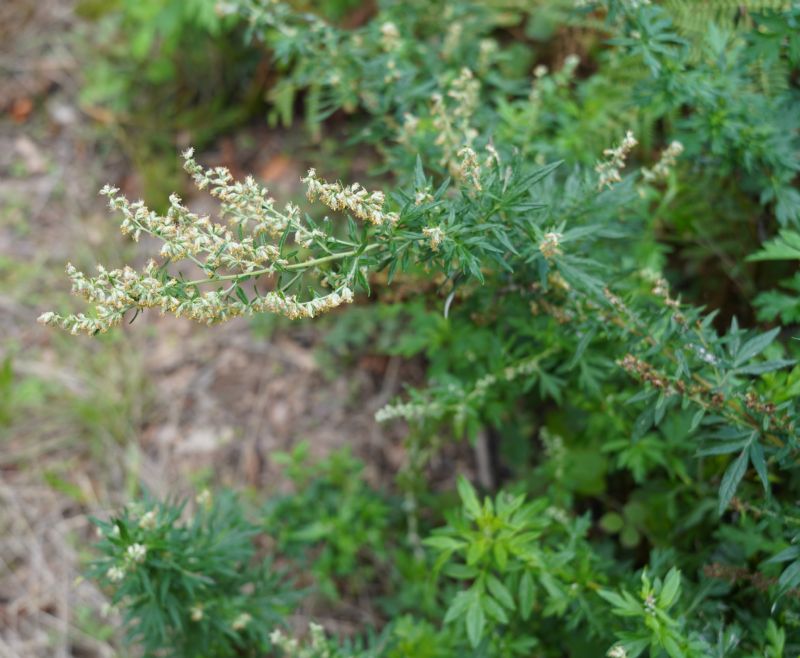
(334, 525)
(191, 586)
(517, 556)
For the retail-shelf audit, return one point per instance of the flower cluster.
(293, 309)
(245, 202)
(390, 37)
(226, 256)
(459, 398)
(666, 162)
(469, 169)
(367, 206)
(609, 169)
(408, 129)
(241, 621)
(134, 554)
(661, 290)
(291, 647)
(452, 120)
(435, 235)
(113, 293)
(407, 411)
(545, 82)
(550, 245)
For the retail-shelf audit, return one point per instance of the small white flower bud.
(148, 521)
(136, 553)
(241, 621)
(115, 574)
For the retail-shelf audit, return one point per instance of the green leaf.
(767, 366)
(468, 497)
(784, 247)
(785, 555)
(444, 543)
(730, 480)
(624, 604)
(660, 408)
(759, 463)
(242, 295)
(670, 590)
(476, 620)
(494, 609)
(697, 419)
(541, 173)
(501, 555)
(500, 592)
(790, 578)
(476, 551)
(460, 571)
(458, 607)
(611, 522)
(755, 346)
(527, 595)
(630, 537)
(723, 448)
(672, 647)
(419, 174)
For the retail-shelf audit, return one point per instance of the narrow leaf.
(500, 592)
(755, 346)
(757, 459)
(494, 609)
(730, 480)
(468, 497)
(527, 595)
(476, 620)
(672, 585)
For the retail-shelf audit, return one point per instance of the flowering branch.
(247, 211)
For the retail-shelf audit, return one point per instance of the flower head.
(667, 161)
(115, 574)
(609, 169)
(148, 521)
(550, 245)
(136, 553)
(241, 621)
(435, 235)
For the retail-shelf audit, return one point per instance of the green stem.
(295, 266)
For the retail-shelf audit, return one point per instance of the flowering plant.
(640, 437)
(194, 586)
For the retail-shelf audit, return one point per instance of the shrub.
(644, 443)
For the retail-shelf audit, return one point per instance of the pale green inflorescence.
(245, 245)
(665, 164)
(317, 646)
(608, 170)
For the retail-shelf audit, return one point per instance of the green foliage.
(191, 586)
(333, 525)
(559, 280)
(658, 631)
(775, 304)
(516, 556)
